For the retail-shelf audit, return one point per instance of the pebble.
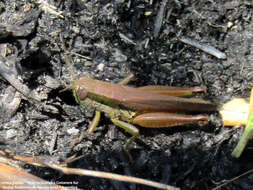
(73, 131)
(100, 67)
(11, 133)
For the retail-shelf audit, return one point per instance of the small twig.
(126, 39)
(79, 55)
(67, 57)
(112, 176)
(233, 179)
(206, 48)
(11, 157)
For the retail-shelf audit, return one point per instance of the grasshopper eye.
(82, 93)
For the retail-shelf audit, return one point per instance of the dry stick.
(112, 177)
(233, 179)
(67, 58)
(206, 48)
(37, 162)
(79, 55)
(126, 39)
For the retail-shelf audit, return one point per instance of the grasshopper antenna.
(66, 54)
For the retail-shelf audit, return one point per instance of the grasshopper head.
(78, 92)
(81, 93)
(80, 87)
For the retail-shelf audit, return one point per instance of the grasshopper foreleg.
(94, 122)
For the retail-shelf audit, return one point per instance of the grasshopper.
(148, 106)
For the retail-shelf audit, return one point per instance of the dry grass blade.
(13, 177)
(204, 47)
(12, 158)
(112, 176)
(231, 180)
(67, 57)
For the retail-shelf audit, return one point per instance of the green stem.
(247, 135)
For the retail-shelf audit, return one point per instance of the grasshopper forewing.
(174, 91)
(138, 99)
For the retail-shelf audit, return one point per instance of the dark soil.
(115, 38)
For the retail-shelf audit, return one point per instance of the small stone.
(119, 56)
(76, 29)
(230, 24)
(11, 133)
(73, 131)
(100, 67)
(51, 82)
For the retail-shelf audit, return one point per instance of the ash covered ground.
(108, 40)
